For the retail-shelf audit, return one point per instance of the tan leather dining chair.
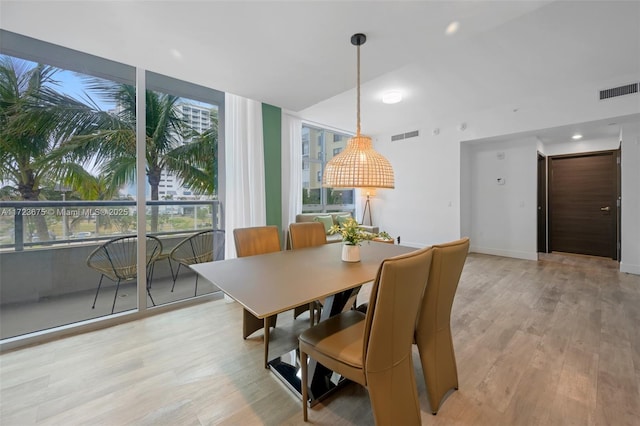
(433, 329)
(303, 235)
(307, 234)
(250, 242)
(374, 349)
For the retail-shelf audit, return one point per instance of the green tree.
(113, 145)
(95, 188)
(200, 155)
(35, 121)
(47, 138)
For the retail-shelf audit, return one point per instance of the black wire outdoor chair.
(205, 246)
(117, 260)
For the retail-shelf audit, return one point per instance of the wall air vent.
(407, 135)
(619, 91)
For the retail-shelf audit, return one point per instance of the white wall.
(432, 203)
(424, 207)
(630, 261)
(501, 217)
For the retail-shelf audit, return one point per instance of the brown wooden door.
(582, 204)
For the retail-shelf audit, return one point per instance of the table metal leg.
(267, 324)
(322, 381)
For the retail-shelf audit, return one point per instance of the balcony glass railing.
(25, 225)
(44, 247)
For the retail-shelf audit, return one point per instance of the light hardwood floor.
(537, 343)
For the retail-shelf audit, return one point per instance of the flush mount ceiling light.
(576, 137)
(452, 28)
(358, 165)
(392, 97)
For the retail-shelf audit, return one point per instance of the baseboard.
(630, 268)
(412, 244)
(505, 253)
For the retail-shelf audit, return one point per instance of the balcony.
(45, 282)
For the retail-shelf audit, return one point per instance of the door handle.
(605, 209)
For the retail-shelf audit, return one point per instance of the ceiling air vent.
(619, 91)
(407, 135)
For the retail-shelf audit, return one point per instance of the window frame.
(39, 51)
(320, 159)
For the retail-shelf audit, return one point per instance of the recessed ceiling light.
(452, 28)
(392, 97)
(576, 137)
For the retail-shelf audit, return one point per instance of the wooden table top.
(276, 282)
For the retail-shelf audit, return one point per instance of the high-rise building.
(199, 119)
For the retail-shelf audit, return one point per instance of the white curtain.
(244, 158)
(291, 169)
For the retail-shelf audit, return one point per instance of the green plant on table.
(384, 235)
(351, 232)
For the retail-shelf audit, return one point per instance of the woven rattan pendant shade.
(358, 165)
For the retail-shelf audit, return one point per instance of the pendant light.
(358, 165)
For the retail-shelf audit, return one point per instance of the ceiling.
(596, 130)
(297, 54)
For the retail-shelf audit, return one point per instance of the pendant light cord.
(358, 95)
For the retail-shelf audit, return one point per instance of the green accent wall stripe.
(272, 132)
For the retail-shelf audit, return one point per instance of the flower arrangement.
(351, 232)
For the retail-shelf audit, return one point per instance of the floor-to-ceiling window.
(318, 147)
(182, 141)
(69, 189)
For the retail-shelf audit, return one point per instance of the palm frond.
(121, 172)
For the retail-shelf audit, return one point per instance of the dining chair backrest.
(393, 309)
(303, 235)
(250, 242)
(307, 234)
(433, 328)
(256, 240)
(375, 349)
(446, 269)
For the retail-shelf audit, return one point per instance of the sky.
(72, 85)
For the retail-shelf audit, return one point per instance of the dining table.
(269, 284)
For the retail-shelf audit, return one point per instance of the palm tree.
(92, 187)
(200, 155)
(113, 146)
(35, 120)
(48, 138)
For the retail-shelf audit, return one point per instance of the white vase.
(350, 253)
